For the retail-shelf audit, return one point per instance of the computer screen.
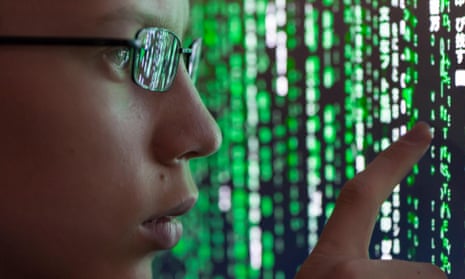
(306, 93)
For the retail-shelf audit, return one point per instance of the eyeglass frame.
(133, 44)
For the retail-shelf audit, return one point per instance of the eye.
(118, 57)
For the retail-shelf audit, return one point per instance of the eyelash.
(119, 57)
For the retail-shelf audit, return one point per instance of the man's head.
(92, 165)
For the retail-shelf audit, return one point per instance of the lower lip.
(164, 233)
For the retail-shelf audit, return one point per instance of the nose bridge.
(187, 129)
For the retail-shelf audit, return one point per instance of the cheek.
(63, 121)
(70, 163)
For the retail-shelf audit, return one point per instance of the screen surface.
(306, 93)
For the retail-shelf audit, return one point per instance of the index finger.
(348, 231)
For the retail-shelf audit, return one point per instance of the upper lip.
(177, 210)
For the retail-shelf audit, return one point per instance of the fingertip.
(425, 125)
(420, 133)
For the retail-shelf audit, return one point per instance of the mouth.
(164, 231)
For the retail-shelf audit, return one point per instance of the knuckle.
(353, 192)
(396, 153)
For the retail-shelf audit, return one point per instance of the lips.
(164, 231)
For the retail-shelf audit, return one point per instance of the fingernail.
(419, 133)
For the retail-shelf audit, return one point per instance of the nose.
(185, 128)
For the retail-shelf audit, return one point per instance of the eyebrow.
(145, 19)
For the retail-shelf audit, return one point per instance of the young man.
(96, 138)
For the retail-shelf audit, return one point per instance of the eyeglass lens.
(156, 62)
(193, 59)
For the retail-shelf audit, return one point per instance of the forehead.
(91, 17)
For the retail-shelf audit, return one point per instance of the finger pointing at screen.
(342, 250)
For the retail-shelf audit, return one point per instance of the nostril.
(189, 155)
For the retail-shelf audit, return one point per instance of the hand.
(342, 250)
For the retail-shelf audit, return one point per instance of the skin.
(87, 155)
(342, 250)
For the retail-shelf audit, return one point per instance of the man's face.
(87, 156)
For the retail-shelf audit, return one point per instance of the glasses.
(155, 54)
